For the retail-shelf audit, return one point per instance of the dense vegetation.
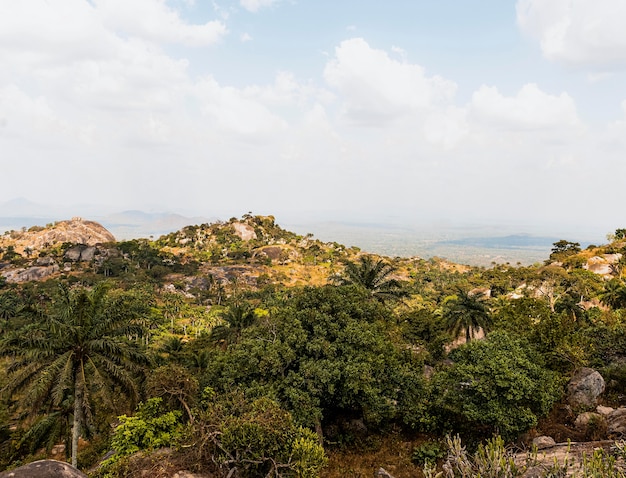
(245, 347)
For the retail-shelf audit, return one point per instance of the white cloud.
(256, 5)
(245, 37)
(376, 88)
(235, 111)
(155, 21)
(529, 109)
(586, 33)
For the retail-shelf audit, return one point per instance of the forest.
(240, 349)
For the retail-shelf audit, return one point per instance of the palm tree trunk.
(78, 407)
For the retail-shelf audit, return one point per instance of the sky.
(492, 111)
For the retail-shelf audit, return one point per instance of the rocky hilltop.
(74, 231)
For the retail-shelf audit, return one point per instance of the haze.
(490, 111)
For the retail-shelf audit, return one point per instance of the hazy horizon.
(463, 242)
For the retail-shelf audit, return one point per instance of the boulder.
(44, 261)
(585, 419)
(44, 469)
(382, 473)
(543, 442)
(616, 422)
(73, 253)
(584, 389)
(80, 252)
(244, 231)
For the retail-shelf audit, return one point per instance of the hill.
(74, 231)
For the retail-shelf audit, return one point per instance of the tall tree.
(466, 312)
(79, 350)
(237, 317)
(614, 294)
(373, 275)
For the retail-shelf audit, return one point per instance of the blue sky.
(491, 111)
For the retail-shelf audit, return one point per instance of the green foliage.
(428, 452)
(78, 353)
(175, 385)
(614, 294)
(374, 276)
(563, 249)
(601, 465)
(325, 352)
(491, 460)
(257, 438)
(466, 313)
(495, 385)
(620, 234)
(152, 427)
(422, 327)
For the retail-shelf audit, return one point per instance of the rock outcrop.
(601, 265)
(244, 231)
(30, 273)
(44, 469)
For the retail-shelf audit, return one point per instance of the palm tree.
(80, 350)
(9, 306)
(614, 294)
(237, 317)
(467, 313)
(373, 275)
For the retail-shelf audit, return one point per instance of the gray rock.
(88, 253)
(30, 274)
(584, 389)
(73, 253)
(382, 473)
(544, 442)
(80, 252)
(44, 261)
(44, 469)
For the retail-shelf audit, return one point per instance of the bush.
(428, 452)
(149, 429)
(497, 385)
(256, 438)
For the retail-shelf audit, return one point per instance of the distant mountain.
(23, 208)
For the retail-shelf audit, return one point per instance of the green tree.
(496, 385)
(620, 234)
(324, 353)
(79, 351)
(562, 249)
(374, 276)
(466, 313)
(237, 317)
(9, 307)
(614, 294)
